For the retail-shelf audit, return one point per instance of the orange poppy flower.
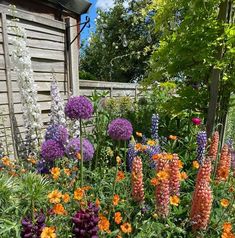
(162, 175)
(126, 228)
(118, 217)
(157, 156)
(103, 223)
(118, 160)
(120, 176)
(66, 198)
(97, 202)
(54, 196)
(78, 156)
(67, 171)
(180, 164)
(139, 134)
(196, 165)
(48, 232)
(224, 202)
(78, 194)
(55, 172)
(171, 137)
(138, 146)
(174, 200)
(116, 199)
(227, 227)
(154, 181)
(183, 176)
(58, 209)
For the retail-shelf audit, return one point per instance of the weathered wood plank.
(42, 77)
(2, 62)
(47, 66)
(21, 14)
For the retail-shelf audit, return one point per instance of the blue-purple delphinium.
(79, 107)
(131, 154)
(58, 133)
(201, 145)
(73, 148)
(33, 228)
(120, 129)
(154, 126)
(85, 222)
(51, 150)
(153, 150)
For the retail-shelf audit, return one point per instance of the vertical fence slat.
(8, 78)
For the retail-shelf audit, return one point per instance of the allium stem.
(81, 152)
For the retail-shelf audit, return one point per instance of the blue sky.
(104, 5)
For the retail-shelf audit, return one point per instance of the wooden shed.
(51, 26)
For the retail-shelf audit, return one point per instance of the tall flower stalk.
(201, 146)
(57, 104)
(21, 61)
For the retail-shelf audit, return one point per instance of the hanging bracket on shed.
(83, 24)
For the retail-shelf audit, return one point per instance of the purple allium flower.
(73, 148)
(201, 145)
(86, 222)
(79, 107)
(33, 229)
(58, 133)
(154, 127)
(120, 129)
(51, 150)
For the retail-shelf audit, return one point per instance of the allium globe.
(196, 121)
(51, 150)
(120, 129)
(73, 148)
(78, 107)
(58, 133)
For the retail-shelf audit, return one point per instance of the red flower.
(196, 121)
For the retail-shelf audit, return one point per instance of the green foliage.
(120, 48)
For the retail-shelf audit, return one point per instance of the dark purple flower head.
(33, 228)
(73, 148)
(52, 150)
(86, 222)
(120, 129)
(79, 107)
(58, 133)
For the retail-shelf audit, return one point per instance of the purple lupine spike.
(153, 150)
(154, 127)
(229, 142)
(233, 160)
(86, 222)
(144, 139)
(131, 154)
(201, 145)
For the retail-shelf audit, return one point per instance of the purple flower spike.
(120, 129)
(73, 148)
(201, 145)
(154, 127)
(79, 107)
(58, 133)
(51, 150)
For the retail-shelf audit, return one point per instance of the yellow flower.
(139, 134)
(126, 228)
(66, 198)
(162, 175)
(54, 196)
(118, 160)
(224, 202)
(55, 172)
(196, 165)
(151, 142)
(58, 209)
(78, 194)
(116, 199)
(169, 156)
(174, 200)
(78, 156)
(138, 146)
(183, 176)
(67, 171)
(48, 232)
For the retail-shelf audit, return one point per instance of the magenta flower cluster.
(120, 129)
(73, 148)
(51, 150)
(79, 107)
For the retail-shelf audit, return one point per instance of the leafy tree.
(196, 46)
(120, 48)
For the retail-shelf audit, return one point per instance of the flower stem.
(81, 152)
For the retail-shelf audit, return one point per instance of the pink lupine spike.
(174, 176)
(137, 180)
(162, 192)
(214, 145)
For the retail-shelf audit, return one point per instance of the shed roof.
(78, 7)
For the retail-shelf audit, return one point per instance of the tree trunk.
(216, 73)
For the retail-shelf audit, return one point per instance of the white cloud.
(104, 4)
